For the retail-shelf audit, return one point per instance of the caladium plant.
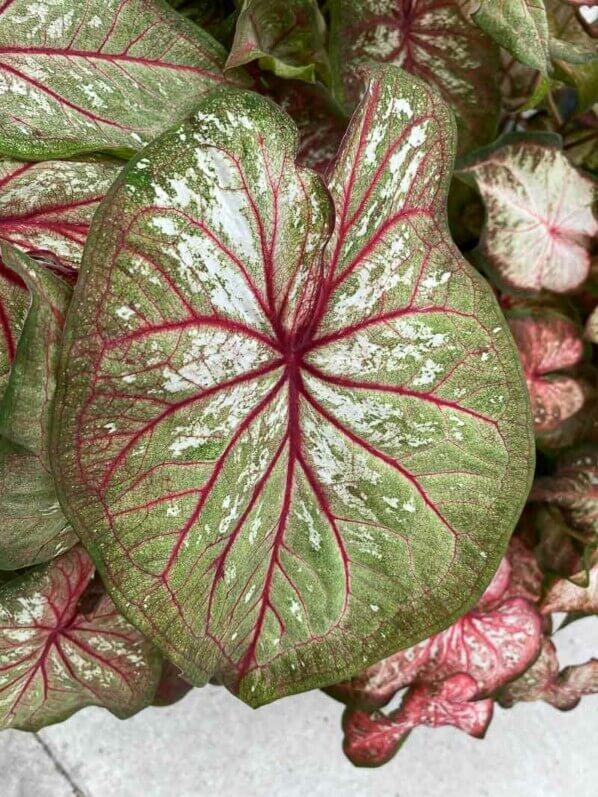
(262, 422)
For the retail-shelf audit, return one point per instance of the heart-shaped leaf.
(32, 526)
(46, 208)
(520, 26)
(61, 652)
(493, 643)
(539, 216)
(371, 741)
(97, 75)
(432, 40)
(265, 437)
(543, 681)
(573, 488)
(549, 343)
(286, 37)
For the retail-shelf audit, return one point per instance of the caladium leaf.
(310, 419)
(32, 526)
(520, 26)
(573, 488)
(493, 643)
(539, 216)
(14, 300)
(99, 75)
(556, 551)
(371, 741)
(432, 40)
(549, 343)
(543, 681)
(564, 595)
(286, 37)
(63, 649)
(46, 208)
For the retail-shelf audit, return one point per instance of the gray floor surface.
(211, 744)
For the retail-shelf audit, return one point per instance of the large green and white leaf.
(430, 39)
(32, 526)
(289, 456)
(63, 646)
(46, 208)
(286, 37)
(540, 218)
(97, 75)
(520, 26)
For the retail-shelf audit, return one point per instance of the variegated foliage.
(267, 427)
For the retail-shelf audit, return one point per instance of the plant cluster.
(297, 303)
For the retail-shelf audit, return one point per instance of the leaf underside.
(266, 430)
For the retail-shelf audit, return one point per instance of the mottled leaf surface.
(46, 208)
(264, 438)
(493, 643)
(539, 216)
(548, 344)
(573, 488)
(564, 595)
(63, 648)
(520, 26)
(32, 526)
(430, 39)
(97, 75)
(14, 300)
(371, 741)
(286, 37)
(543, 681)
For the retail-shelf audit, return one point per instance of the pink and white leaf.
(539, 217)
(59, 654)
(373, 740)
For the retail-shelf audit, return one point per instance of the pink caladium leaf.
(549, 343)
(14, 300)
(430, 39)
(286, 37)
(46, 208)
(543, 681)
(371, 741)
(539, 216)
(267, 429)
(520, 26)
(564, 595)
(32, 526)
(63, 646)
(172, 687)
(99, 75)
(573, 488)
(493, 643)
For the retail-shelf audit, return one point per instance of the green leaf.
(430, 39)
(574, 52)
(14, 300)
(98, 75)
(32, 526)
(46, 208)
(539, 215)
(520, 26)
(63, 646)
(286, 37)
(289, 454)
